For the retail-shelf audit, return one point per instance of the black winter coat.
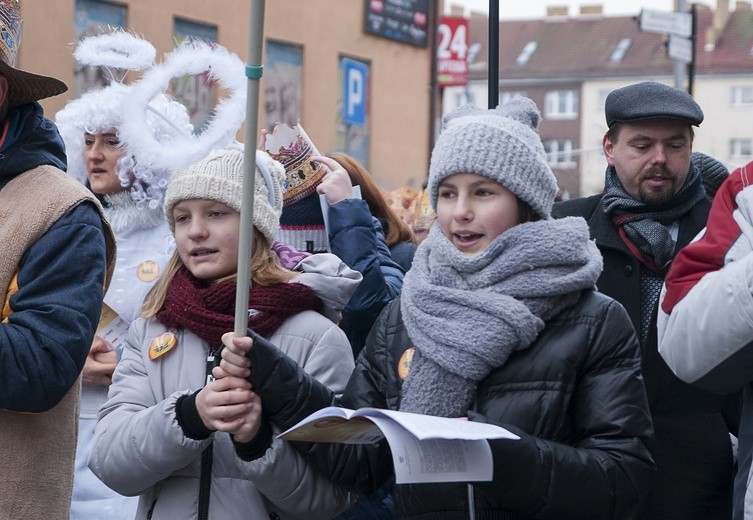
(575, 396)
(691, 446)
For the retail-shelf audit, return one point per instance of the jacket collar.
(32, 141)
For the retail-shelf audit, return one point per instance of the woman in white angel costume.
(115, 138)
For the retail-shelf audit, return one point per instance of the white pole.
(246, 239)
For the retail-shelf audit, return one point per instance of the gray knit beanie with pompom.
(502, 144)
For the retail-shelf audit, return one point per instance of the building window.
(283, 70)
(504, 97)
(559, 153)
(92, 18)
(740, 148)
(561, 104)
(197, 92)
(525, 55)
(620, 50)
(742, 96)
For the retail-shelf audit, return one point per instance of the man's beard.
(653, 196)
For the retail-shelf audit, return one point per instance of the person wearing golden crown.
(57, 260)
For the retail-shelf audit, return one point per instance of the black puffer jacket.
(575, 396)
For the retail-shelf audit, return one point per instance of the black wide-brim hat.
(25, 87)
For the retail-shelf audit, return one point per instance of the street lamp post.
(493, 53)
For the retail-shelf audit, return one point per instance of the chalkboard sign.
(405, 21)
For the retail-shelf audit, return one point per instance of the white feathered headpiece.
(154, 129)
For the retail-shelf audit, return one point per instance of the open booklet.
(424, 448)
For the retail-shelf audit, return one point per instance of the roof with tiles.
(733, 51)
(583, 47)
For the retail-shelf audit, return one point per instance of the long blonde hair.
(266, 269)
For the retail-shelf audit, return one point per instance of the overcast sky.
(512, 9)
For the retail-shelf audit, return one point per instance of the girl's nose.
(462, 210)
(197, 229)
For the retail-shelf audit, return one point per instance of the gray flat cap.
(651, 100)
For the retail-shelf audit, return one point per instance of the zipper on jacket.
(471, 493)
(211, 363)
(205, 483)
(205, 475)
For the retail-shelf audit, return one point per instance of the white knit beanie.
(219, 176)
(502, 144)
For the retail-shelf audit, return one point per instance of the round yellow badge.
(403, 366)
(147, 271)
(162, 344)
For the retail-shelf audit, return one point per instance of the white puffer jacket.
(139, 448)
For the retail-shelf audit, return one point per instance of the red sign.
(452, 51)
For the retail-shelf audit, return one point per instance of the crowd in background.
(609, 334)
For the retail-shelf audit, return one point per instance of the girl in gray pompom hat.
(498, 322)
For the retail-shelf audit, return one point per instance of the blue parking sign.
(355, 83)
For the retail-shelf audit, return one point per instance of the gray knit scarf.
(643, 228)
(467, 314)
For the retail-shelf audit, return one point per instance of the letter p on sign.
(355, 89)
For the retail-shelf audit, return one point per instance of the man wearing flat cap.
(56, 257)
(653, 204)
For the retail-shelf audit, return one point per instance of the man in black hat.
(57, 254)
(653, 204)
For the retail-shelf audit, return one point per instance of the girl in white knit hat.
(122, 172)
(498, 322)
(172, 434)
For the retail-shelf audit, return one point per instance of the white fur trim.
(192, 57)
(119, 49)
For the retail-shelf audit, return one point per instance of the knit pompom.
(501, 144)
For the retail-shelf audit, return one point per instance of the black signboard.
(405, 21)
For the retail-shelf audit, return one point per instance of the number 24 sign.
(452, 51)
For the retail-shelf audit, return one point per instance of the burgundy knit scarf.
(209, 310)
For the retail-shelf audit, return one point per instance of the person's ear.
(608, 147)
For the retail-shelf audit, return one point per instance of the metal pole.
(246, 239)
(435, 99)
(493, 53)
(693, 36)
(471, 503)
(680, 68)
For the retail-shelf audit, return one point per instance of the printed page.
(335, 424)
(431, 427)
(332, 424)
(435, 460)
(424, 448)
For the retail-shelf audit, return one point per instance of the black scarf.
(643, 228)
